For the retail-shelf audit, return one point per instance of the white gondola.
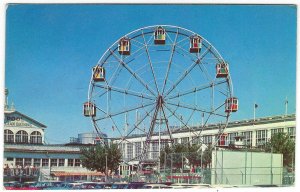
(89, 109)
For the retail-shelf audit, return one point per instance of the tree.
(282, 143)
(179, 153)
(207, 156)
(94, 157)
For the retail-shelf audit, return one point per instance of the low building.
(28, 158)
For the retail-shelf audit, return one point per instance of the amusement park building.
(27, 157)
(255, 133)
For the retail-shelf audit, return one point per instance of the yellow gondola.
(98, 74)
(160, 36)
(124, 46)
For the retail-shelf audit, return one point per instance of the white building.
(27, 157)
(255, 133)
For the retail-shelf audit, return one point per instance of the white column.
(253, 138)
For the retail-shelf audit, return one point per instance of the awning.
(183, 177)
(63, 173)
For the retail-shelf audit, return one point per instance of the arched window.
(22, 137)
(35, 137)
(8, 136)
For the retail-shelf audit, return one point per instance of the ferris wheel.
(160, 80)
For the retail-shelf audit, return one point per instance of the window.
(53, 162)
(35, 137)
(275, 131)
(175, 140)
(36, 162)
(22, 137)
(8, 136)
(196, 140)
(19, 161)
(124, 150)
(77, 162)
(70, 162)
(261, 137)
(129, 151)
(184, 140)
(207, 139)
(45, 162)
(292, 132)
(61, 162)
(248, 138)
(27, 162)
(138, 148)
(231, 138)
(155, 151)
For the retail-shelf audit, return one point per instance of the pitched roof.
(27, 117)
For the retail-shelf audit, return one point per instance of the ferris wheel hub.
(160, 101)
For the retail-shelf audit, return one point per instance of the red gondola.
(231, 105)
(222, 70)
(195, 44)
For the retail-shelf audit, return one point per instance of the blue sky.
(50, 50)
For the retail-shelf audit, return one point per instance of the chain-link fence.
(237, 168)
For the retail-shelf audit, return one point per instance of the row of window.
(36, 162)
(134, 149)
(22, 137)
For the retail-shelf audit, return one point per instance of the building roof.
(41, 148)
(233, 124)
(64, 173)
(27, 117)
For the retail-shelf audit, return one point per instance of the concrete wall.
(246, 168)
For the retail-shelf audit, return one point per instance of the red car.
(14, 185)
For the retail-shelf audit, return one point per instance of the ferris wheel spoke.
(167, 124)
(195, 89)
(135, 75)
(184, 52)
(110, 117)
(150, 63)
(126, 92)
(181, 120)
(196, 108)
(115, 74)
(98, 94)
(136, 125)
(169, 63)
(192, 66)
(122, 112)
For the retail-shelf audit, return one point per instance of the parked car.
(119, 186)
(14, 185)
(103, 185)
(156, 186)
(135, 185)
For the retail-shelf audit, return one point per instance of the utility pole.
(105, 167)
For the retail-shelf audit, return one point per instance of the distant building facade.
(254, 133)
(27, 157)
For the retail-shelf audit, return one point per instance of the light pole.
(105, 167)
